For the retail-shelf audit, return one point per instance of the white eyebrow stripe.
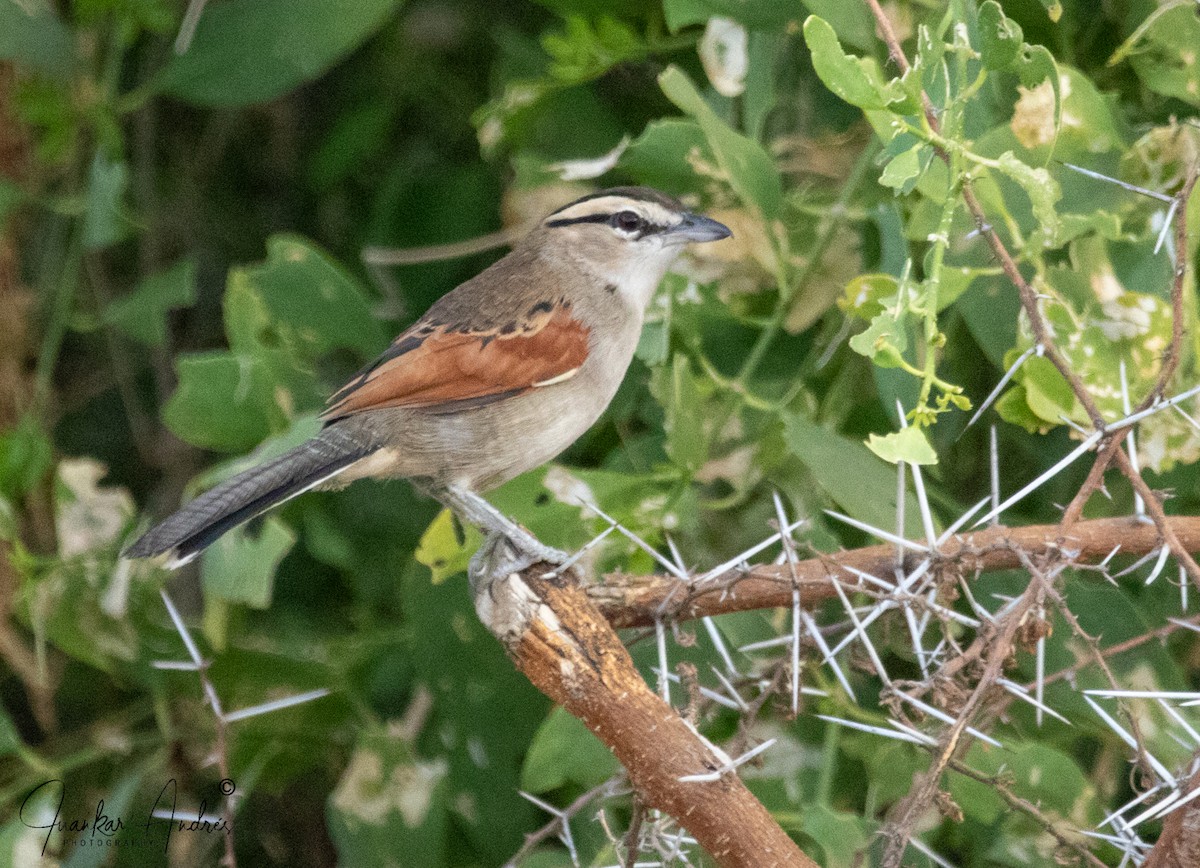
(652, 212)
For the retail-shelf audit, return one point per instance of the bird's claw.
(500, 556)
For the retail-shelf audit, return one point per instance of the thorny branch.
(908, 810)
(563, 818)
(562, 643)
(1003, 789)
(903, 817)
(637, 601)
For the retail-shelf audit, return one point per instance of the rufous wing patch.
(441, 367)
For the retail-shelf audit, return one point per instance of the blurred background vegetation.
(185, 205)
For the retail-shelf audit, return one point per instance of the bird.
(498, 377)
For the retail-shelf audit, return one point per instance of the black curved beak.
(698, 228)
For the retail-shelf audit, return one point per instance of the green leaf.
(240, 566)
(443, 550)
(954, 281)
(883, 341)
(10, 737)
(104, 222)
(854, 477)
(660, 156)
(556, 520)
(1049, 395)
(563, 750)
(1013, 407)
(1043, 192)
(751, 171)
(1039, 772)
(118, 801)
(902, 171)
(31, 34)
(588, 48)
(676, 389)
(908, 444)
(11, 197)
(253, 52)
(1163, 52)
(864, 295)
(309, 299)
(302, 429)
(1035, 64)
(223, 402)
(142, 314)
(754, 14)
(8, 520)
(26, 454)
(854, 23)
(853, 79)
(1000, 37)
(839, 833)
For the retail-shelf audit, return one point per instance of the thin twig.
(1002, 788)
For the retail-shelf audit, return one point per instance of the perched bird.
(499, 376)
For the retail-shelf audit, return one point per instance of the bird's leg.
(508, 547)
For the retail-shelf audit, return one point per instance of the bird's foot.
(501, 555)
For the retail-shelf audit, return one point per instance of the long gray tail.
(199, 523)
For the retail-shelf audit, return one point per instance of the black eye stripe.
(646, 228)
(590, 218)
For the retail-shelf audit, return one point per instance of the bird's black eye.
(627, 221)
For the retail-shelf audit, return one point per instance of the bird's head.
(627, 236)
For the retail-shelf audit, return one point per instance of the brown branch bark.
(564, 645)
(638, 601)
(1178, 846)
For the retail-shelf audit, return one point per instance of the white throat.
(638, 276)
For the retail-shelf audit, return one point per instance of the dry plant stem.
(634, 835)
(1095, 479)
(1004, 791)
(564, 645)
(907, 812)
(533, 839)
(1029, 302)
(1120, 648)
(221, 752)
(1175, 350)
(1162, 523)
(441, 252)
(1093, 646)
(636, 601)
(1178, 845)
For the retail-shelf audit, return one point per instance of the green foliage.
(191, 227)
(142, 314)
(253, 52)
(30, 33)
(564, 750)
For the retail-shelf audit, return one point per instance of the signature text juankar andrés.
(102, 827)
